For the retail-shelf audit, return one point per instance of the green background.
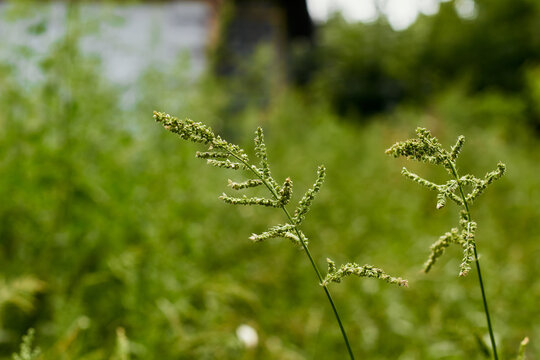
(107, 221)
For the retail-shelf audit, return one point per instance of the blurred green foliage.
(113, 243)
(370, 68)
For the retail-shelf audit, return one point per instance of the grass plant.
(226, 155)
(426, 148)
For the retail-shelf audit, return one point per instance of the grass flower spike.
(522, 346)
(336, 275)
(221, 153)
(27, 350)
(426, 148)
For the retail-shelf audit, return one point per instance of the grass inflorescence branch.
(223, 154)
(336, 275)
(27, 350)
(522, 347)
(426, 148)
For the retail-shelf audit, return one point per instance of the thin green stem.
(491, 336)
(306, 250)
(326, 291)
(477, 262)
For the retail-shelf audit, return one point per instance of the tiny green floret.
(305, 204)
(244, 200)
(438, 247)
(286, 231)
(260, 152)
(336, 275)
(426, 148)
(419, 180)
(27, 350)
(468, 248)
(456, 149)
(522, 347)
(481, 184)
(212, 155)
(285, 192)
(246, 184)
(187, 129)
(227, 164)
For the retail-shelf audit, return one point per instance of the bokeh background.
(113, 244)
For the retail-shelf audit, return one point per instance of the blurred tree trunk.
(244, 25)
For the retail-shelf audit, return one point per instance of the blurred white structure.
(247, 335)
(400, 13)
(127, 38)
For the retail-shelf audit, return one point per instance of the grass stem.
(477, 262)
(306, 250)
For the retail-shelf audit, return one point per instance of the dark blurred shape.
(299, 24)
(492, 48)
(245, 25)
(254, 49)
(362, 68)
(369, 68)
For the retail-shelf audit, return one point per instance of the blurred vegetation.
(369, 68)
(113, 243)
